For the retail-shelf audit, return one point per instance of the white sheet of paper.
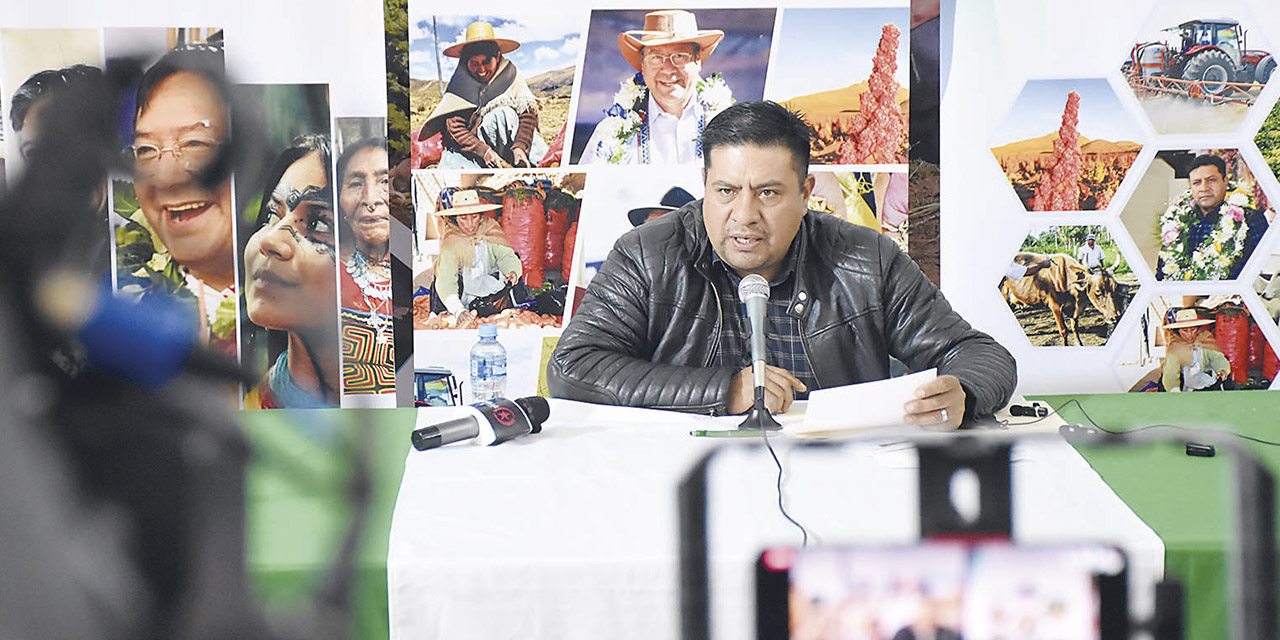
(859, 407)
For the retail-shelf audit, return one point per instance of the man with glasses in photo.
(180, 125)
(657, 116)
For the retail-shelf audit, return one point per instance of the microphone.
(488, 423)
(753, 291)
(148, 342)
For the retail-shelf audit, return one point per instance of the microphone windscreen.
(537, 409)
(753, 286)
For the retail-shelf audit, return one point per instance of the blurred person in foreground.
(661, 325)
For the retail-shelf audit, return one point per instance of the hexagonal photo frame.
(1199, 342)
(1066, 145)
(1195, 71)
(1189, 222)
(1268, 140)
(1068, 283)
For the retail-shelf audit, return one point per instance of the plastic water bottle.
(488, 366)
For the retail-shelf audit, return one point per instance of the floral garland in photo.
(627, 118)
(1211, 260)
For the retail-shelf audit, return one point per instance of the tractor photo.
(1210, 57)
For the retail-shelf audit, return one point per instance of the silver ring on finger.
(943, 413)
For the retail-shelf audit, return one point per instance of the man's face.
(290, 261)
(363, 198)
(754, 203)
(194, 223)
(1090, 242)
(671, 85)
(1208, 186)
(483, 66)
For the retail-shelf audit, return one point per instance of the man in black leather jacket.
(657, 329)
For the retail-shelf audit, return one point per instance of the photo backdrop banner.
(581, 165)
(1153, 132)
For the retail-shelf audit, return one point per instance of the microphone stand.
(759, 417)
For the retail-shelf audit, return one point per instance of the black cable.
(803, 532)
(1154, 426)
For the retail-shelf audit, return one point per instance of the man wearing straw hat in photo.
(658, 115)
(476, 259)
(488, 115)
(1193, 361)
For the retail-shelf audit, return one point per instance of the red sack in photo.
(1232, 333)
(570, 239)
(1257, 342)
(556, 151)
(557, 226)
(525, 223)
(1270, 363)
(426, 152)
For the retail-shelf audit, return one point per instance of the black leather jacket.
(649, 324)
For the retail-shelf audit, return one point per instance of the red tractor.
(1211, 53)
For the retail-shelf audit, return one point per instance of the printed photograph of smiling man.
(176, 229)
(490, 92)
(1197, 214)
(289, 249)
(651, 80)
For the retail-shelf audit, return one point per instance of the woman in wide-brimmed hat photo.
(488, 116)
(476, 259)
(1193, 360)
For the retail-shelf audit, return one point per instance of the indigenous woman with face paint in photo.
(367, 347)
(290, 265)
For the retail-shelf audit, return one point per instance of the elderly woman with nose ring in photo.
(290, 265)
(367, 336)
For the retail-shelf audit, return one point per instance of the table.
(572, 533)
(1186, 500)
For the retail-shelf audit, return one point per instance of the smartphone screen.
(942, 591)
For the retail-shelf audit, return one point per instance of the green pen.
(725, 433)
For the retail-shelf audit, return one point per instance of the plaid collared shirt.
(784, 346)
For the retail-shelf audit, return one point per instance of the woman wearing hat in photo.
(488, 115)
(658, 115)
(1193, 361)
(476, 259)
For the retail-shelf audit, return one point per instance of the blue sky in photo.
(825, 49)
(546, 41)
(1038, 111)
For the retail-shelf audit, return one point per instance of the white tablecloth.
(572, 533)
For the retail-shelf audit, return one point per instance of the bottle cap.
(488, 331)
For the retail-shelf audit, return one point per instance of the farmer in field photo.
(478, 267)
(488, 115)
